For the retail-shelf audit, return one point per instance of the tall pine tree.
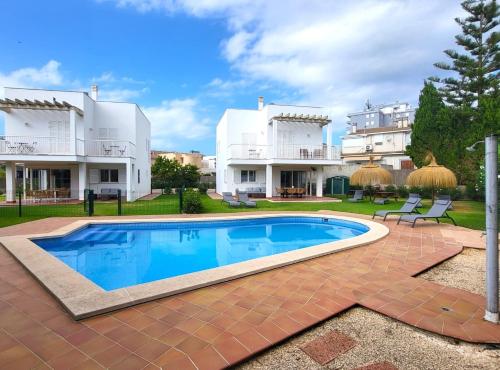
(478, 67)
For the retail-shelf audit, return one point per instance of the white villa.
(265, 150)
(59, 143)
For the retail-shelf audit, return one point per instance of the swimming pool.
(119, 255)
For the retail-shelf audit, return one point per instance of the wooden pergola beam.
(7, 105)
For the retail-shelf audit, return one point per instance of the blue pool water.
(124, 254)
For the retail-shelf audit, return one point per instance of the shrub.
(455, 193)
(390, 188)
(403, 191)
(203, 187)
(191, 202)
(167, 190)
(426, 192)
(415, 189)
(474, 192)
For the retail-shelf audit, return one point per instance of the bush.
(203, 187)
(191, 202)
(390, 188)
(426, 192)
(403, 191)
(474, 192)
(167, 190)
(454, 193)
(415, 189)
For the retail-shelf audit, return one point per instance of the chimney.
(261, 102)
(94, 92)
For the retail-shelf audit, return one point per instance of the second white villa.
(59, 143)
(265, 150)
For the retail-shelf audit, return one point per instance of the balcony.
(284, 151)
(49, 145)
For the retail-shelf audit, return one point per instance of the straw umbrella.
(371, 174)
(433, 175)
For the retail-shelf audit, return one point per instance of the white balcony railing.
(48, 145)
(285, 151)
(34, 145)
(110, 148)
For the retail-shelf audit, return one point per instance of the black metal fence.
(41, 204)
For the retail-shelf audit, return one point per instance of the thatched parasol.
(433, 175)
(371, 174)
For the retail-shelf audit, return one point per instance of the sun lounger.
(243, 198)
(437, 211)
(358, 196)
(228, 198)
(408, 208)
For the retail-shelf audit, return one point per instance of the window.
(372, 115)
(107, 133)
(248, 176)
(109, 175)
(138, 176)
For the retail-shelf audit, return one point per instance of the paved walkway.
(221, 325)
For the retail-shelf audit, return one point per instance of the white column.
(269, 181)
(10, 181)
(319, 182)
(82, 180)
(128, 176)
(72, 130)
(275, 139)
(329, 129)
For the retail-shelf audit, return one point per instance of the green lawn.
(466, 213)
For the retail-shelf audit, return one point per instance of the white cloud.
(177, 121)
(335, 53)
(48, 75)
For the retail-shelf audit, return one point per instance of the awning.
(363, 158)
(7, 104)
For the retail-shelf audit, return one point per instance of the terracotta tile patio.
(221, 325)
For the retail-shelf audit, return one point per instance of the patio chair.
(243, 198)
(408, 208)
(107, 151)
(357, 197)
(437, 211)
(416, 195)
(281, 192)
(228, 198)
(446, 197)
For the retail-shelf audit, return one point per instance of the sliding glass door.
(293, 179)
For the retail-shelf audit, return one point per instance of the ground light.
(491, 163)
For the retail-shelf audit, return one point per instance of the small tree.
(171, 174)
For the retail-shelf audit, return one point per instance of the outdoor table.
(113, 149)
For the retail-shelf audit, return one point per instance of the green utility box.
(337, 185)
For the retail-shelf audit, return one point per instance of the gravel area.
(383, 339)
(465, 271)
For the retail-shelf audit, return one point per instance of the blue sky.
(185, 61)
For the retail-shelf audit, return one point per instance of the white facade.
(65, 141)
(381, 132)
(385, 146)
(272, 147)
(208, 164)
